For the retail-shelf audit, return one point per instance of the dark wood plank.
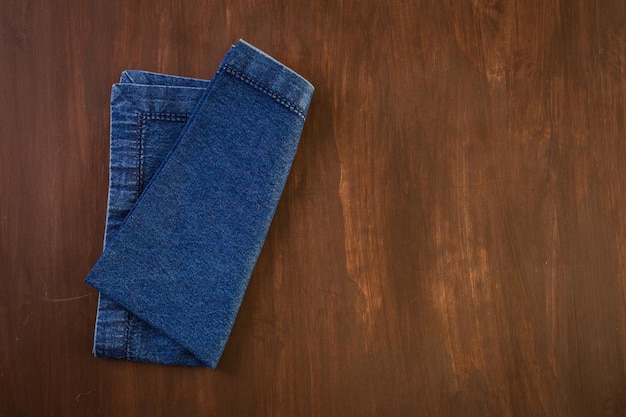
(451, 240)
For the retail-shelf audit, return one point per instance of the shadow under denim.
(196, 171)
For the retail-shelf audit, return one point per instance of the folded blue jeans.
(196, 171)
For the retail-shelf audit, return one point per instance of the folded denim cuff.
(263, 72)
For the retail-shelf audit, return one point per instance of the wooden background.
(451, 240)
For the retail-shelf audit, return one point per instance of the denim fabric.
(197, 169)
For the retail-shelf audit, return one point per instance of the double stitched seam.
(138, 187)
(142, 118)
(139, 166)
(296, 109)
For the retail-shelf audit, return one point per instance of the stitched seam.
(139, 154)
(296, 109)
(139, 178)
(168, 117)
(141, 164)
(127, 336)
(143, 118)
(138, 186)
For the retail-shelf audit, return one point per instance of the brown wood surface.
(451, 240)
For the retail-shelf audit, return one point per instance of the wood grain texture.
(451, 240)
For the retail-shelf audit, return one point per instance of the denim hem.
(265, 73)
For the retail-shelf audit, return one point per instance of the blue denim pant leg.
(177, 266)
(148, 113)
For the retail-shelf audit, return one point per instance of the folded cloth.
(197, 169)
